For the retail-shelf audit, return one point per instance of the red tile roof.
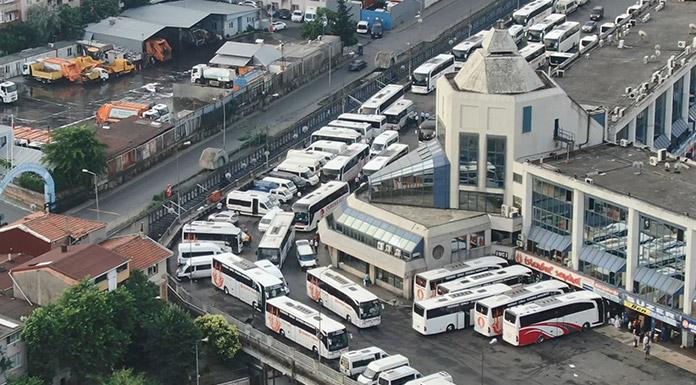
(55, 227)
(141, 250)
(78, 262)
(10, 261)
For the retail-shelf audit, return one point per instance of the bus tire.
(226, 291)
(540, 339)
(450, 328)
(585, 326)
(281, 332)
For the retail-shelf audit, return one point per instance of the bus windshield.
(370, 309)
(336, 340)
(460, 55)
(520, 19)
(10, 88)
(510, 317)
(331, 174)
(301, 215)
(418, 309)
(534, 35)
(275, 291)
(272, 255)
(481, 308)
(551, 44)
(420, 79)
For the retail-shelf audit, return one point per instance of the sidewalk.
(659, 350)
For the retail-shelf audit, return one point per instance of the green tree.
(45, 22)
(17, 37)
(85, 330)
(25, 380)
(322, 25)
(73, 149)
(71, 25)
(170, 340)
(344, 26)
(223, 337)
(126, 377)
(96, 10)
(144, 294)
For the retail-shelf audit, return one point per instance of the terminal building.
(532, 167)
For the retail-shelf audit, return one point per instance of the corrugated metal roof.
(212, 7)
(679, 127)
(232, 61)
(166, 14)
(658, 280)
(261, 54)
(601, 258)
(234, 48)
(125, 28)
(662, 141)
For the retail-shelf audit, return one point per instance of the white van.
(565, 7)
(252, 203)
(314, 164)
(375, 368)
(267, 218)
(439, 378)
(195, 268)
(398, 376)
(188, 250)
(355, 362)
(273, 270)
(310, 15)
(327, 146)
(282, 183)
(382, 141)
(300, 170)
(302, 155)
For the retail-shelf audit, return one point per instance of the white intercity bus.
(337, 134)
(452, 311)
(392, 153)
(510, 275)
(344, 297)
(398, 113)
(424, 78)
(563, 38)
(462, 51)
(536, 33)
(311, 208)
(363, 128)
(382, 99)
(245, 281)
(488, 315)
(306, 327)
(376, 121)
(534, 54)
(278, 239)
(223, 234)
(532, 12)
(553, 317)
(347, 165)
(425, 284)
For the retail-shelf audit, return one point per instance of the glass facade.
(389, 278)
(605, 232)
(468, 159)
(353, 262)
(660, 105)
(642, 126)
(420, 178)
(661, 257)
(478, 201)
(495, 157)
(677, 99)
(552, 207)
(622, 133)
(692, 82)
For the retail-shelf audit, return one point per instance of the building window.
(642, 126)
(552, 207)
(605, 229)
(12, 338)
(527, 119)
(152, 270)
(482, 202)
(468, 159)
(622, 133)
(70, 51)
(122, 268)
(353, 262)
(660, 114)
(677, 99)
(15, 361)
(692, 83)
(390, 278)
(517, 178)
(100, 278)
(495, 157)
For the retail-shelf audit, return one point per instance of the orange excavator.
(158, 49)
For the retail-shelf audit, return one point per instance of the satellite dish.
(692, 27)
(642, 34)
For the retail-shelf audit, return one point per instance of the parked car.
(278, 26)
(597, 13)
(377, 30)
(297, 16)
(363, 27)
(589, 26)
(357, 65)
(224, 216)
(306, 256)
(249, 3)
(283, 14)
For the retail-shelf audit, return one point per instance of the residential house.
(13, 312)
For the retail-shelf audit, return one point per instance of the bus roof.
(344, 157)
(333, 278)
(338, 132)
(193, 246)
(382, 95)
(471, 264)
(463, 296)
(523, 292)
(397, 107)
(361, 117)
(532, 6)
(279, 226)
(292, 165)
(552, 302)
(484, 277)
(332, 144)
(560, 30)
(386, 156)
(349, 124)
(530, 48)
(471, 41)
(307, 314)
(210, 227)
(249, 193)
(248, 268)
(320, 192)
(431, 63)
(439, 378)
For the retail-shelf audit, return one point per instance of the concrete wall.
(24, 196)
(42, 286)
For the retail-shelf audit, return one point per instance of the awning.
(601, 258)
(659, 281)
(548, 240)
(692, 112)
(679, 127)
(662, 141)
(232, 61)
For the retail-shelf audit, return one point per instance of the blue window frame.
(527, 119)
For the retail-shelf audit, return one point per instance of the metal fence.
(165, 219)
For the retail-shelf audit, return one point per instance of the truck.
(115, 111)
(158, 112)
(95, 74)
(8, 92)
(216, 77)
(158, 49)
(118, 67)
(41, 72)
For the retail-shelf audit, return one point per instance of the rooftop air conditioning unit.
(662, 155)
(504, 210)
(623, 142)
(520, 244)
(513, 212)
(380, 246)
(681, 44)
(397, 252)
(653, 161)
(589, 180)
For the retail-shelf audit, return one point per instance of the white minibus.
(353, 363)
(282, 183)
(398, 376)
(300, 170)
(532, 12)
(382, 141)
(375, 368)
(251, 203)
(564, 38)
(399, 113)
(565, 7)
(439, 378)
(186, 250)
(195, 268)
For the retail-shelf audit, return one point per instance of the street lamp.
(492, 342)
(198, 375)
(96, 190)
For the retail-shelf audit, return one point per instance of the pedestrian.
(636, 337)
(427, 115)
(647, 348)
(316, 239)
(646, 340)
(366, 280)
